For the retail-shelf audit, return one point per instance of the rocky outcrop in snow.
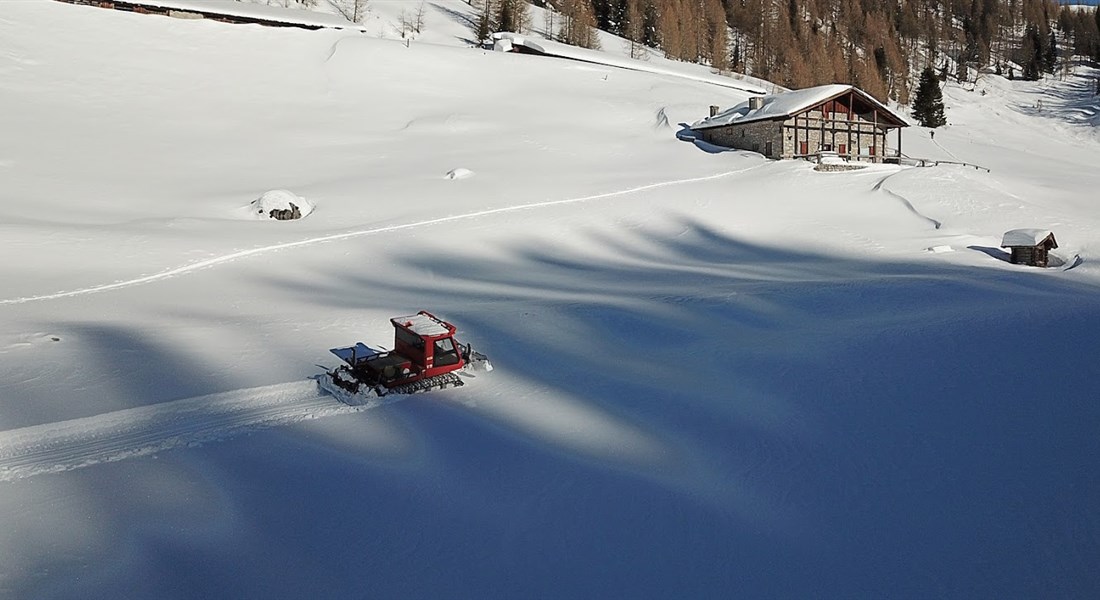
(281, 205)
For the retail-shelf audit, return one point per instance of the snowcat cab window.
(410, 338)
(445, 353)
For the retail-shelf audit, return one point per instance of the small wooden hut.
(1029, 246)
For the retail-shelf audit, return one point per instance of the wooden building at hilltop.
(803, 123)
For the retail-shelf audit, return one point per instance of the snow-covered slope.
(715, 375)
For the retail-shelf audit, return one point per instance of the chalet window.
(768, 149)
(842, 149)
(742, 133)
(803, 147)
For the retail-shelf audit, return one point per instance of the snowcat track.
(154, 428)
(439, 382)
(365, 393)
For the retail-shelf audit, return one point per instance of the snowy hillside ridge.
(506, 42)
(715, 375)
(389, 19)
(259, 10)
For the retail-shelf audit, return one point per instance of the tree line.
(877, 45)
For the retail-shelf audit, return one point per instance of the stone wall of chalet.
(765, 137)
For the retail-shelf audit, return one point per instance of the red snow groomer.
(426, 356)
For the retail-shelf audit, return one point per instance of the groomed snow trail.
(145, 430)
(879, 187)
(210, 262)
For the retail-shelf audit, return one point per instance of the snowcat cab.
(426, 356)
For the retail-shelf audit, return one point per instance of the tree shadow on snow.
(803, 402)
(460, 18)
(996, 253)
(104, 368)
(686, 134)
(688, 415)
(1074, 102)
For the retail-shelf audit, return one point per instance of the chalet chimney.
(713, 110)
(756, 102)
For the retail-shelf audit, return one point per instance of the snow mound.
(459, 173)
(281, 205)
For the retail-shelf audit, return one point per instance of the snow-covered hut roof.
(787, 104)
(1027, 237)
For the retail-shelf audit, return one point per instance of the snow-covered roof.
(1027, 237)
(786, 104)
(423, 324)
(259, 12)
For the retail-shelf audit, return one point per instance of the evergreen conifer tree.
(484, 26)
(928, 105)
(506, 17)
(651, 17)
(1031, 53)
(1050, 53)
(512, 15)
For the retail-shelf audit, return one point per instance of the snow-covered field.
(716, 376)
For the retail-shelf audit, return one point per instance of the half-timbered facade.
(802, 123)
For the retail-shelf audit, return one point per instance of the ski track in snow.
(880, 187)
(145, 430)
(218, 260)
(940, 146)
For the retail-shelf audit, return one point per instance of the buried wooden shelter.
(1029, 246)
(802, 123)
